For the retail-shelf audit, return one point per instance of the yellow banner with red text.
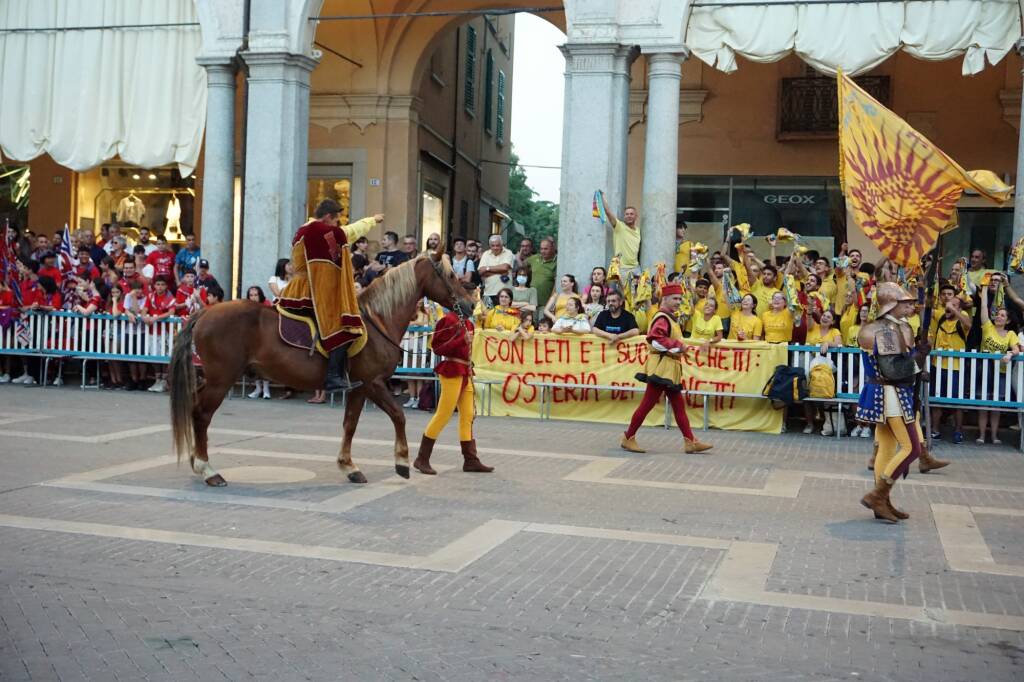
(589, 361)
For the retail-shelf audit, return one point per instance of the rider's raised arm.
(361, 227)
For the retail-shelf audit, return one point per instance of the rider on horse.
(323, 287)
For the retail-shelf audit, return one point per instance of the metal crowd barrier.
(959, 380)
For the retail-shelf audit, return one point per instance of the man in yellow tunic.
(322, 287)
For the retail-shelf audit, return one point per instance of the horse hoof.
(402, 470)
(357, 477)
(216, 481)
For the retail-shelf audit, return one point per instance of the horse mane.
(392, 289)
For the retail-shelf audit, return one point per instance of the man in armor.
(891, 365)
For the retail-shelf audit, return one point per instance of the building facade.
(719, 114)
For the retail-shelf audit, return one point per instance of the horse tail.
(182, 374)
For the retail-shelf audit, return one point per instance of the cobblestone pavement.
(573, 560)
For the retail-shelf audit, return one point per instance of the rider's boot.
(337, 372)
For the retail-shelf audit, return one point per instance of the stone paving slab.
(579, 579)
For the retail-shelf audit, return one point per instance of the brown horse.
(231, 337)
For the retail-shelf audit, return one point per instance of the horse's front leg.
(381, 397)
(353, 408)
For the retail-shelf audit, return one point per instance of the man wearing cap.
(322, 287)
(891, 364)
(664, 372)
(203, 277)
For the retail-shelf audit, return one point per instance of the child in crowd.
(525, 329)
(543, 326)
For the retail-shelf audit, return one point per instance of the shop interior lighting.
(152, 176)
(135, 176)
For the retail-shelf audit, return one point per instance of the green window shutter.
(500, 132)
(469, 94)
(488, 91)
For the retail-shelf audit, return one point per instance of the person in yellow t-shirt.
(765, 284)
(683, 246)
(995, 338)
(502, 317)
(625, 236)
(827, 281)
(700, 292)
(555, 307)
(707, 325)
(950, 334)
(716, 273)
(745, 325)
(823, 334)
(777, 321)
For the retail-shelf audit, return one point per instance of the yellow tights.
(894, 445)
(455, 391)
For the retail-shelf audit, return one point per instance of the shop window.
(432, 210)
(499, 134)
(339, 189)
(157, 199)
(488, 91)
(469, 91)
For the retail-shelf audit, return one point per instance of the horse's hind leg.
(353, 408)
(381, 397)
(210, 396)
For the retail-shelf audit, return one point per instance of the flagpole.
(927, 297)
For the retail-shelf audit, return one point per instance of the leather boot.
(878, 501)
(470, 462)
(693, 446)
(629, 444)
(422, 463)
(337, 372)
(901, 515)
(926, 462)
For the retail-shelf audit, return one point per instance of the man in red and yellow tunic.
(664, 372)
(323, 289)
(453, 342)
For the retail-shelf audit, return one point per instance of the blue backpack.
(788, 385)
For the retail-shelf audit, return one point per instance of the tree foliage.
(538, 218)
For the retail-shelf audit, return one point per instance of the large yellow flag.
(902, 189)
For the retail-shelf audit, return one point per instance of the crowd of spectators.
(133, 277)
(732, 294)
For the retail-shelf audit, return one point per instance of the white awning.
(854, 36)
(86, 96)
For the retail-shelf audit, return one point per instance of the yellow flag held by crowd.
(901, 188)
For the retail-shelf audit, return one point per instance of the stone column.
(1018, 200)
(661, 159)
(594, 150)
(277, 150)
(217, 238)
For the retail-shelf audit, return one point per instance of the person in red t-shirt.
(84, 268)
(453, 342)
(48, 267)
(162, 259)
(129, 275)
(159, 305)
(188, 299)
(49, 297)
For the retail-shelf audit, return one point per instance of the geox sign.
(790, 199)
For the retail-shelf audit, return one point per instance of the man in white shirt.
(495, 267)
(462, 264)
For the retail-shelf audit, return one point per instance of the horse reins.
(372, 318)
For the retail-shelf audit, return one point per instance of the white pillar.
(1018, 193)
(217, 237)
(661, 159)
(276, 149)
(593, 150)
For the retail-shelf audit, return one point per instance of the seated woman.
(574, 321)
(778, 320)
(502, 317)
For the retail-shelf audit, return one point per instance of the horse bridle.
(438, 267)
